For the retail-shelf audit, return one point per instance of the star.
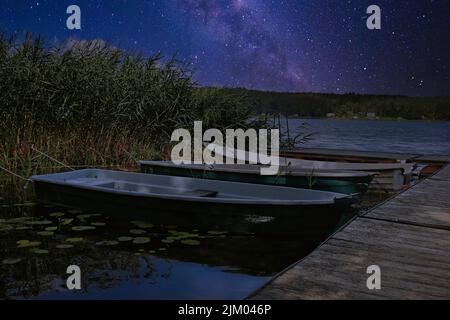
(266, 45)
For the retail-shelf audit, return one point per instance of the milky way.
(283, 45)
(256, 55)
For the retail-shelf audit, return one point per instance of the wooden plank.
(427, 203)
(414, 266)
(417, 216)
(408, 237)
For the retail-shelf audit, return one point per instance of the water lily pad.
(57, 214)
(39, 222)
(162, 249)
(178, 235)
(46, 233)
(168, 241)
(66, 221)
(151, 251)
(21, 228)
(40, 251)
(18, 220)
(74, 240)
(83, 216)
(64, 246)
(190, 242)
(28, 244)
(51, 228)
(137, 231)
(107, 243)
(217, 233)
(141, 240)
(125, 239)
(10, 261)
(25, 204)
(5, 227)
(83, 228)
(98, 224)
(74, 211)
(142, 224)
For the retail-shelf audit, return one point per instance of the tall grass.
(88, 103)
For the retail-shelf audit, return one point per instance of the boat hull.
(317, 220)
(347, 185)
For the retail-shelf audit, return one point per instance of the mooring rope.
(15, 174)
(51, 158)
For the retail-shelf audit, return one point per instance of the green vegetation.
(317, 105)
(89, 104)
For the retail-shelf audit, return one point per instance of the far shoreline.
(365, 119)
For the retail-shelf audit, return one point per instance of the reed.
(90, 104)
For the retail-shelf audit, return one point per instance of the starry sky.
(283, 45)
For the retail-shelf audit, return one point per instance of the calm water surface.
(420, 137)
(121, 258)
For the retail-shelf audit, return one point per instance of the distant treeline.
(318, 105)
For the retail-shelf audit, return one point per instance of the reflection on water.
(133, 259)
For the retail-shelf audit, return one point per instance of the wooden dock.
(408, 237)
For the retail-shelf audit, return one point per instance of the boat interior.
(115, 181)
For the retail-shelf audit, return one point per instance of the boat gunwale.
(293, 171)
(406, 168)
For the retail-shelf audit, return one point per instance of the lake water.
(420, 137)
(127, 259)
(122, 258)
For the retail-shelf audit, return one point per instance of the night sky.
(284, 45)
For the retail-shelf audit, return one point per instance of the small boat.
(250, 207)
(349, 182)
(391, 177)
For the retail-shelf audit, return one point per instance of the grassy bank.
(89, 104)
